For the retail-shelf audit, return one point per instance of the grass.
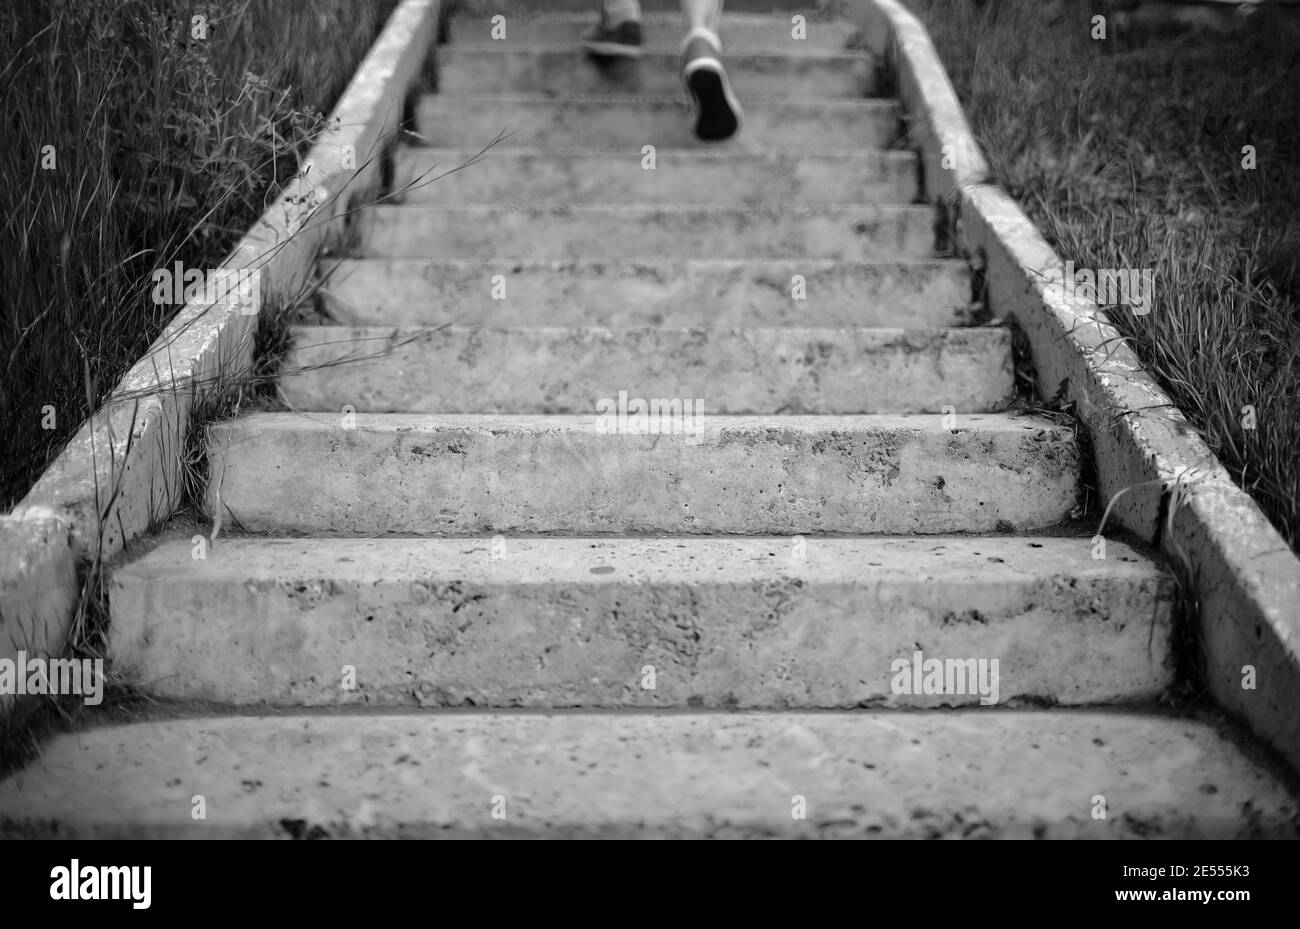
(138, 136)
(1127, 152)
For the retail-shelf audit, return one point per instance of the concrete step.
(628, 124)
(539, 177)
(852, 232)
(452, 475)
(556, 622)
(690, 292)
(964, 774)
(566, 370)
(515, 67)
(741, 33)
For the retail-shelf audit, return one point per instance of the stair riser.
(464, 122)
(426, 623)
(500, 68)
(864, 233)
(568, 370)
(740, 34)
(660, 293)
(309, 473)
(502, 176)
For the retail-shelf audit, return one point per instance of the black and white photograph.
(650, 419)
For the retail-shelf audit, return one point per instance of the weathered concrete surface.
(309, 472)
(682, 292)
(964, 774)
(120, 473)
(537, 176)
(566, 370)
(626, 123)
(741, 33)
(516, 67)
(39, 589)
(722, 622)
(850, 232)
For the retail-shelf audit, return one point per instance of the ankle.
(708, 36)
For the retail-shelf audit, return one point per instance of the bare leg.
(703, 14)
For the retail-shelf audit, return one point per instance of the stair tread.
(712, 424)
(544, 560)
(961, 774)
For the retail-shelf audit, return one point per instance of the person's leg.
(703, 14)
(619, 31)
(717, 111)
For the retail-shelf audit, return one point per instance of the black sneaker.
(717, 111)
(621, 41)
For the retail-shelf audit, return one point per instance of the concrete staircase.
(449, 600)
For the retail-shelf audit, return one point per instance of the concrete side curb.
(39, 586)
(121, 473)
(1245, 578)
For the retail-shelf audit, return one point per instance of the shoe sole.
(717, 111)
(611, 49)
